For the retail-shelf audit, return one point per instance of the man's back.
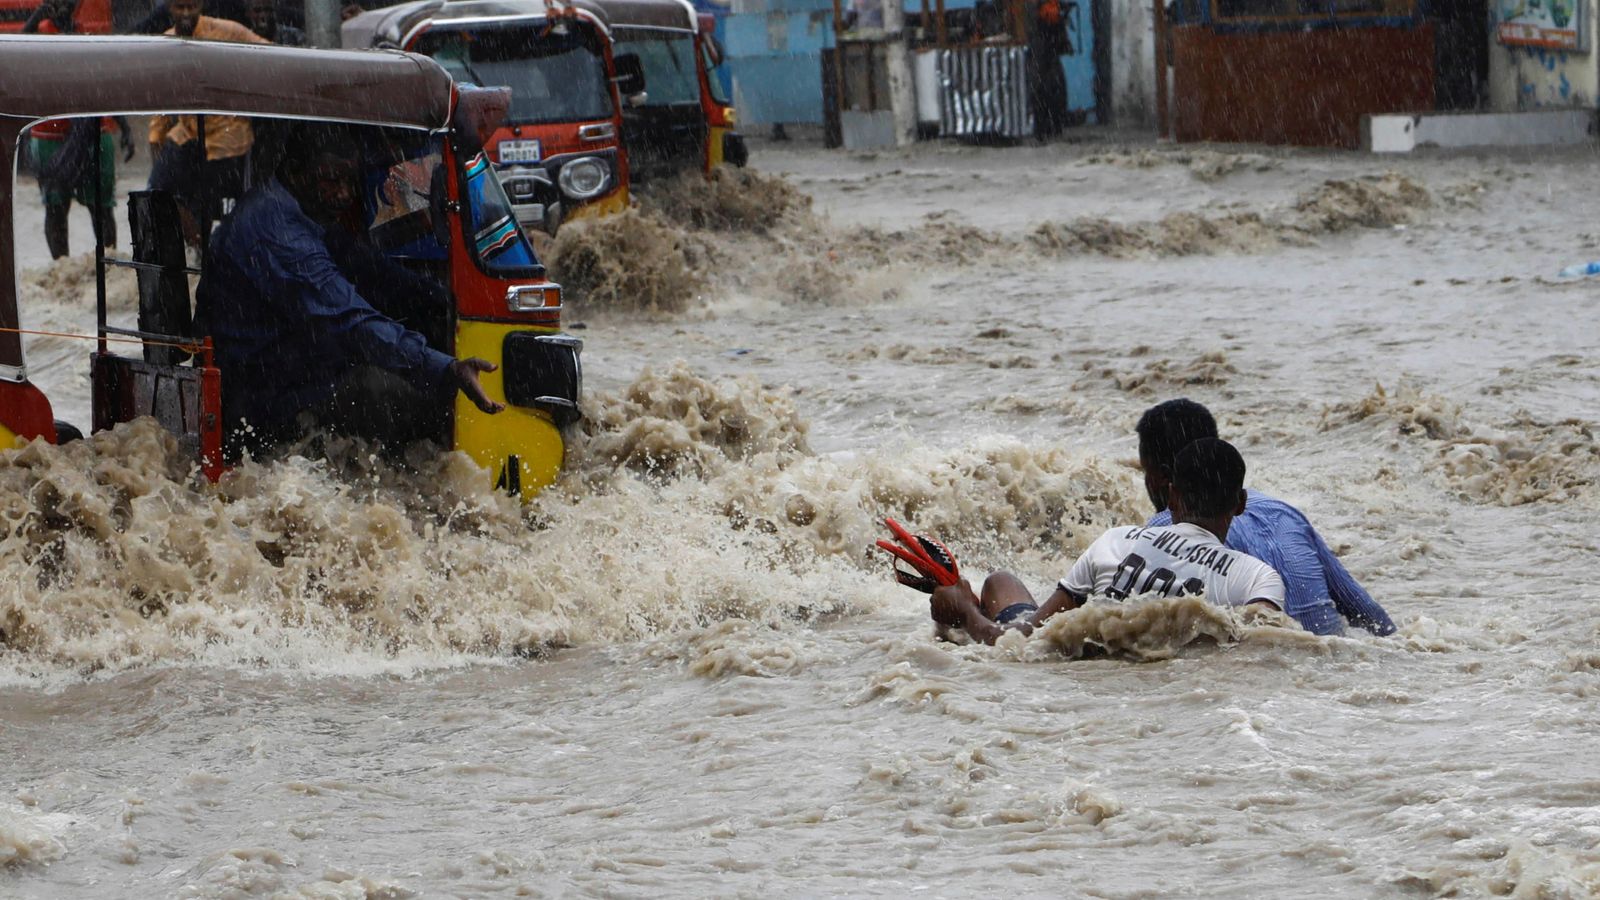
(1174, 560)
(285, 315)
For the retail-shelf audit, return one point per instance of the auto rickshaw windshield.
(668, 59)
(554, 76)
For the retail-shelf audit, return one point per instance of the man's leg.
(55, 227)
(221, 180)
(1001, 591)
(177, 169)
(107, 230)
(379, 405)
(957, 607)
(57, 202)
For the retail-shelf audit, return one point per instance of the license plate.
(519, 151)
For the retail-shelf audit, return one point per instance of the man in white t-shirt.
(1185, 558)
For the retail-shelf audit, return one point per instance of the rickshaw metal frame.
(43, 77)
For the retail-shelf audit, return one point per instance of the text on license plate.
(519, 151)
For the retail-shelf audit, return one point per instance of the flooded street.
(681, 672)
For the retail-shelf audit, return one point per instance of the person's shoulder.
(270, 216)
(1266, 502)
(1265, 506)
(229, 30)
(1253, 579)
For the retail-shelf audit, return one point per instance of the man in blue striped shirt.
(1319, 593)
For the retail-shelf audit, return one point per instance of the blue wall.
(1080, 65)
(774, 57)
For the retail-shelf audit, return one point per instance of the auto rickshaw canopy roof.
(57, 75)
(70, 75)
(672, 15)
(391, 26)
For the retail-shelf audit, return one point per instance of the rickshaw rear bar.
(121, 263)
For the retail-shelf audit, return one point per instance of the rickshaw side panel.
(24, 413)
(521, 447)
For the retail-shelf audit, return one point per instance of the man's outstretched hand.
(465, 372)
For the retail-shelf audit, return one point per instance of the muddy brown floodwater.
(680, 672)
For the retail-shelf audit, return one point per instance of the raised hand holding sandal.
(927, 556)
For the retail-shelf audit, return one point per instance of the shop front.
(1298, 72)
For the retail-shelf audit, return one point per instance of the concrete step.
(1401, 133)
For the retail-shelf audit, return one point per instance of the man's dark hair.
(309, 143)
(1208, 474)
(1167, 428)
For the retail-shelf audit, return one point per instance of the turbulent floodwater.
(681, 672)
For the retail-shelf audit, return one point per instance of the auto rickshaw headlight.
(584, 178)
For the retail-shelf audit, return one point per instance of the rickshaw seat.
(163, 292)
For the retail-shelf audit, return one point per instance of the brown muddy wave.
(692, 239)
(686, 502)
(1523, 460)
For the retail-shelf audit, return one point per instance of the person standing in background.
(64, 154)
(201, 171)
(159, 18)
(1047, 81)
(264, 22)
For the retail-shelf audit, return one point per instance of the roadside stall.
(429, 207)
(1004, 69)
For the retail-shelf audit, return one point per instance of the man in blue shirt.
(1319, 593)
(297, 308)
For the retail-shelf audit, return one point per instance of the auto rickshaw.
(431, 205)
(683, 121)
(88, 16)
(557, 151)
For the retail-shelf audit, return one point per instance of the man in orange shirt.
(201, 173)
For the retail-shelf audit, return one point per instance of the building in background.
(1542, 55)
(776, 51)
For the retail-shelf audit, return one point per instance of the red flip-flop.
(931, 558)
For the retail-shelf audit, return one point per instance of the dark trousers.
(381, 406)
(368, 402)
